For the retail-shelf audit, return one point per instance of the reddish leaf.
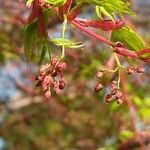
(106, 25)
(73, 14)
(35, 10)
(65, 8)
(41, 23)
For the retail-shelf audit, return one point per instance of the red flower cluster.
(51, 76)
(132, 70)
(114, 94)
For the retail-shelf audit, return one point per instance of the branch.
(93, 34)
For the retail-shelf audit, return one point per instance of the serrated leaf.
(129, 37)
(67, 43)
(56, 3)
(109, 7)
(101, 10)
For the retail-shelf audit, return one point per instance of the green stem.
(119, 71)
(117, 60)
(63, 36)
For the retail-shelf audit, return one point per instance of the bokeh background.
(77, 119)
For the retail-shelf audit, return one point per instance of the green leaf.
(67, 43)
(43, 53)
(129, 37)
(32, 41)
(94, 2)
(109, 8)
(56, 3)
(101, 10)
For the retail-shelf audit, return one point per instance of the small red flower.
(47, 94)
(98, 87)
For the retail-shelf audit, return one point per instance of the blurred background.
(77, 119)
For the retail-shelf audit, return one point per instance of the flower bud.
(99, 74)
(47, 80)
(140, 70)
(114, 85)
(108, 98)
(45, 87)
(98, 87)
(118, 94)
(61, 66)
(62, 84)
(40, 77)
(47, 94)
(54, 61)
(56, 87)
(130, 71)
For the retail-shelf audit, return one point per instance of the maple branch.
(93, 34)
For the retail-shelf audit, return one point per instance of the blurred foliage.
(78, 118)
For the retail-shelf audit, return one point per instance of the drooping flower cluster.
(132, 70)
(115, 94)
(50, 77)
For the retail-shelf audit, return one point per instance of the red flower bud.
(61, 66)
(47, 80)
(113, 86)
(108, 98)
(140, 70)
(118, 94)
(47, 94)
(99, 74)
(40, 77)
(130, 71)
(98, 87)
(62, 84)
(54, 61)
(56, 87)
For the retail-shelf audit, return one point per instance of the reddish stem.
(93, 34)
